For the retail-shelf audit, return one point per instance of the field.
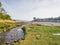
(41, 35)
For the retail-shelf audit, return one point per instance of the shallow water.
(12, 35)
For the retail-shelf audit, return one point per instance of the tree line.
(56, 19)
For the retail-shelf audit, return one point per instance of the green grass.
(8, 26)
(45, 36)
(4, 27)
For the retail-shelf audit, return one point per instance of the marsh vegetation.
(41, 35)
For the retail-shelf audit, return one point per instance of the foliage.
(3, 14)
(7, 17)
(0, 4)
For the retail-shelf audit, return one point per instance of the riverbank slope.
(8, 24)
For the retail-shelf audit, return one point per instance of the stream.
(13, 35)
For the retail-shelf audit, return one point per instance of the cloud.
(27, 9)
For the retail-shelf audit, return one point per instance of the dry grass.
(8, 21)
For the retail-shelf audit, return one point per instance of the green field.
(41, 35)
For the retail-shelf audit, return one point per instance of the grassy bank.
(41, 35)
(7, 26)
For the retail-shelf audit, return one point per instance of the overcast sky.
(27, 9)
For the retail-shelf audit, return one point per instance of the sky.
(27, 9)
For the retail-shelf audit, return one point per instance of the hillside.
(6, 22)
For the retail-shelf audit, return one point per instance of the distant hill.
(56, 19)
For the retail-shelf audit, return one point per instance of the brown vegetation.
(7, 21)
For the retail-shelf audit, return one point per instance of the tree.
(1, 16)
(0, 4)
(0, 7)
(6, 16)
(34, 18)
(2, 10)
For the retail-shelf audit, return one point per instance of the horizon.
(27, 9)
